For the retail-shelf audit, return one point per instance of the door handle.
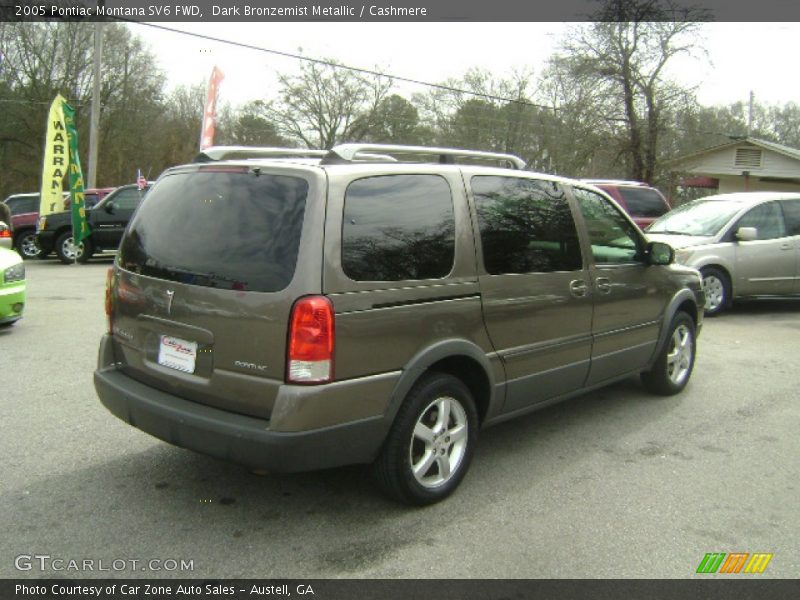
(786, 246)
(577, 287)
(603, 285)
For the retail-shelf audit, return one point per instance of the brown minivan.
(293, 310)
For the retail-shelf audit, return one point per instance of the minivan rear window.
(221, 229)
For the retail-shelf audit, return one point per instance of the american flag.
(141, 181)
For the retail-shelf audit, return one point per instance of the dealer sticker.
(178, 354)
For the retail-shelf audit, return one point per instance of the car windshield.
(700, 218)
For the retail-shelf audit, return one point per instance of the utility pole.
(94, 118)
(750, 115)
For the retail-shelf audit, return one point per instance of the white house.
(743, 165)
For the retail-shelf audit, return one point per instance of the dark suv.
(643, 203)
(294, 313)
(107, 221)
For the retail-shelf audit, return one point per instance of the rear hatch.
(206, 276)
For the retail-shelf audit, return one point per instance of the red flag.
(210, 110)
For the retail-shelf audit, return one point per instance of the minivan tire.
(441, 450)
(675, 362)
(717, 287)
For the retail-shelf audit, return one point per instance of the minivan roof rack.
(347, 153)
(239, 152)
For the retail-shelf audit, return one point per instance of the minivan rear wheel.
(429, 448)
(675, 362)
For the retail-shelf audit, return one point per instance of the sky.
(740, 58)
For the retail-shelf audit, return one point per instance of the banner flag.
(80, 229)
(56, 161)
(210, 111)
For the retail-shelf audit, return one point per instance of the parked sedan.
(744, 244)
(12, 287)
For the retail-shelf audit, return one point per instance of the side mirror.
(659, 253)
(747, 234)
(109, 207)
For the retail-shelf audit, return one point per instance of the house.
(741, 165)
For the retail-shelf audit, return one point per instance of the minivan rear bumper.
(237, 438)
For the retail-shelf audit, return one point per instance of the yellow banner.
(56, 160)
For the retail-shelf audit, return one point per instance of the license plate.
(178, 354)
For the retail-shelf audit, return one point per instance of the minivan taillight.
(309, 356)
(109, 305)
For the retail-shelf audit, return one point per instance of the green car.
(12, 287)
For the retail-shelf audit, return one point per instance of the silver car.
(744, 244)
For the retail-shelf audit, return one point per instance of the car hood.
(680, 241)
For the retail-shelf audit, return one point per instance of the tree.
(394, 121)
(624, 54)
(41, 60)
(132, 108)
(575, 133)
(326, 104)
(249, 125)
(483, 112)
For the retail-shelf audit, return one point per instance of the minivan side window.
(791, 212)
(767, 218)
(613, 238)
(398, 227)
(526, 226)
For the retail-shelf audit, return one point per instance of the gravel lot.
(614, 484)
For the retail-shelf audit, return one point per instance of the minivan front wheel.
(430, 445)
(717, 288)
(675, 362)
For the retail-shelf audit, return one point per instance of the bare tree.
(326, 104)
(624, 53)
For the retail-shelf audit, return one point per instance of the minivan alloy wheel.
(438, 442)
(679, 357)
(430, 445)
(715, 292)
(673, 366)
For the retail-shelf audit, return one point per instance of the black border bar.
(233, 11)
(706, 587)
